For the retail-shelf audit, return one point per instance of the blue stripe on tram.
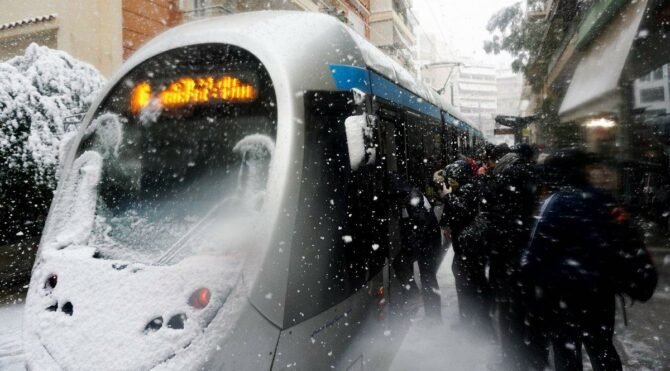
(349, 77)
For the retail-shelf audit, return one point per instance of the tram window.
(338, 219)
(436, 153)
(451, 143)
(418, 150)
(425, 150)
(167, 169)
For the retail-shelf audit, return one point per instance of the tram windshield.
(177, 153)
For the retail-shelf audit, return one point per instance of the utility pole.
(453, 66)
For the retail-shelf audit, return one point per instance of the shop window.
(652, 95)
(658, 74)
(654, 112)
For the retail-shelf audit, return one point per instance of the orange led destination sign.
(191, 91)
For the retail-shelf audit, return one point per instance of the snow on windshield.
(156, 327)
(117, 235)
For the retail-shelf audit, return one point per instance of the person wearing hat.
(459, 194)
(583, 251)
(512, 198)
(420, 236)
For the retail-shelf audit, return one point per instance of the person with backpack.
(583, 251)
(421, 242)
(503, 228)
(460, 198)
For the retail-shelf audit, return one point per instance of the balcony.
(538, 9)
(205, 12)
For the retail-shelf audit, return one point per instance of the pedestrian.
(459, 196)
(512, 197)
(582, 252)
(421, 243)
(485, 158)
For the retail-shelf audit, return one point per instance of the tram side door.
(393, 162)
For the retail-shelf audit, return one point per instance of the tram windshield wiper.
(180, 244)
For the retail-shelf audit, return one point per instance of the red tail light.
(381, 303)
(200, 298)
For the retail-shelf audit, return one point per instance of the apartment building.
(355, 13)
(476, 95)
(392, 26)
(652, 92)
(90, 30)
(106, 32)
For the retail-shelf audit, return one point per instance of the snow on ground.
(11, 349)
(643, 344)
(430, 347)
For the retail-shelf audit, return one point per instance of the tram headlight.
(200, 298)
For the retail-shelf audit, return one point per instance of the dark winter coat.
(512, 194)
(420, 223)
(583, 243)
(460, 208)
(508, 200)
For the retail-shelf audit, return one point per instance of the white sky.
(462, 25)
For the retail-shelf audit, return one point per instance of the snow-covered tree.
(37, 92)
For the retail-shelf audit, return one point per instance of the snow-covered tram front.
(152, 225)
(224, 206)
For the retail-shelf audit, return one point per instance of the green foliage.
(38, 91)
(513, 32)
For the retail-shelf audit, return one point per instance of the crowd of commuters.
(540, 254)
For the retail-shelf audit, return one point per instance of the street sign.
(505, 131)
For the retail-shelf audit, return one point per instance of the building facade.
(144, 19)
(392, 26)
(475, 93)
(651, 92)
(106, 32)
(510, 87)
(90, 30)
(603, 84)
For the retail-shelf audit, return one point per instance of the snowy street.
(643, 345)
(11, 351)
(272, 185)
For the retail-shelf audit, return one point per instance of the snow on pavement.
(430, 347)
(11, 348)
(642, 345)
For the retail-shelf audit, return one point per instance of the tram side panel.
(424, 143)
(336, 264)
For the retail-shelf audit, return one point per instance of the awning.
(514, 121)
(594, 89)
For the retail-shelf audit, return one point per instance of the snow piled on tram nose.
(98, 315)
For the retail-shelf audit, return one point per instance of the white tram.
(224, 204)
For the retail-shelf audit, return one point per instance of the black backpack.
(606, 251)
(633, 271)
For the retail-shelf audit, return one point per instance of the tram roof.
(302, 42)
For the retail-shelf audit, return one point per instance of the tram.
(225, 204)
